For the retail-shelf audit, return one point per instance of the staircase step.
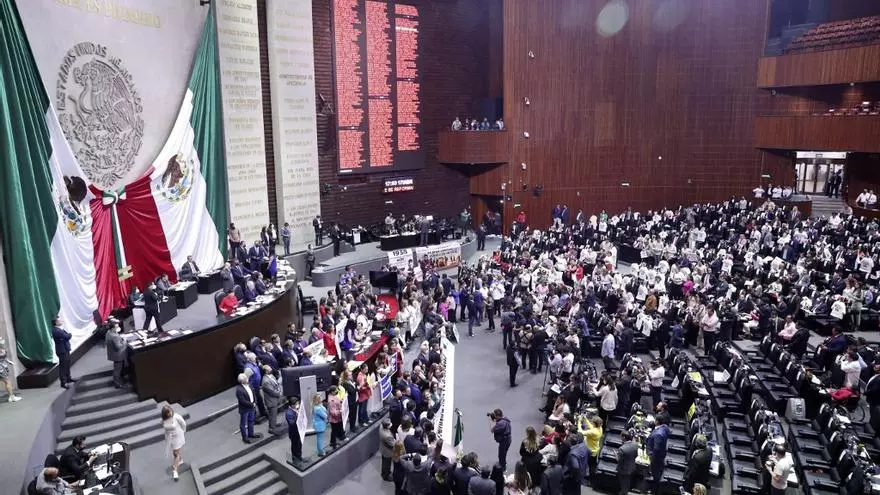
(233, 478)
(237, 464)
(241, 454)
(278, 488)
(97, 374)
(123, 410)
(101, 404)
(103, 425)
(255, 486)
(87, 384)
(96, 394)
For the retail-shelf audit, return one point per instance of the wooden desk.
(192, 367)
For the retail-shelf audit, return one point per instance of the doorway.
(488, 210)
(813, 171)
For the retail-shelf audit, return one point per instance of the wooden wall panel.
(668, 109)
(858, 64)
(268, 123)
(455, 67)
(862, 172)
(838, 133)
(473, 147)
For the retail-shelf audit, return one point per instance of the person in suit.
(247, 409)
(319, 422)
(336, 238)
(61, 337)
(74, 461)
(239, 354)
(698, 465)
(551, 478)
(260, 285)
(190, 270)
(318, 225)
(387, 439)
(626, 461)
(226, 278)
(117, 351)
(481, 237)
(656, 447)
(250, 292)
(255, 380)
(163, 285)
(310, 261)
(292, 416)
(239, 272)
(285, 238)
(272, 392)
(151, 307)
(255, 255)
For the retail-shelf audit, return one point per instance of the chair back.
(32, 487)
(218, 298)
(239, 294)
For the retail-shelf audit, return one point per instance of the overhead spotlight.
(526, 134)
(523, 165)
(659, 157)
(852, 84)
(531, 54)
(526, 100)
(624, 184)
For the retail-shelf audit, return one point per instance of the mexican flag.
(178, 208)
(456, 435)
(70, 249)
(45, 222)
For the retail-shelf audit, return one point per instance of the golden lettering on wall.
(115, 9)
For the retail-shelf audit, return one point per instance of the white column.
(292, 79)
(238, 37)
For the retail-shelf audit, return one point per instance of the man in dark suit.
(74, 462)
(255, 255)
(292, 415)
(163, 285)
(62, 350)
(481, 237)
(626, 461)
(116, 353)
(190, 270)
(318, 225)
(247, 409)
(239, 272)
(151, 307)
(336, 238)
(698, 465)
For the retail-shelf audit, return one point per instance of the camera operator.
(500, 428)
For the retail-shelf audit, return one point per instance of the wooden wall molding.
(857, 64)
(837, 133)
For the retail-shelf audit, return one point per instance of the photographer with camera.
(500, 428)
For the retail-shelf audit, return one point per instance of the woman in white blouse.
(175, 429)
